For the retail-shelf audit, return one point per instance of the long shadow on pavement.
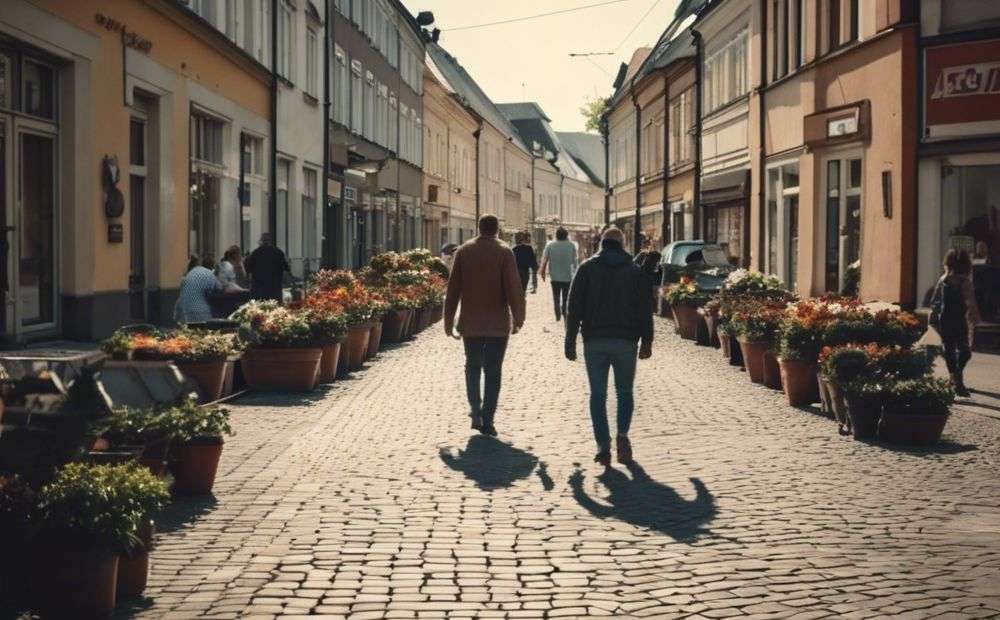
(644, 502)
(184, 510)
(494, 464)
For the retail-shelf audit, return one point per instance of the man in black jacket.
(524, 254)
(267, 267)
(610, 298)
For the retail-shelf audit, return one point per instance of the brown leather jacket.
(484, 279)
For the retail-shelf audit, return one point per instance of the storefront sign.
(129, 38)
(962, 96)
(846, 123)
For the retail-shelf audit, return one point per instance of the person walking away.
(526, 261)
(954, 314)
(609, 300)
(484, 280)
(192, 301)
(230, 269)
(560, 260)
(267, 267)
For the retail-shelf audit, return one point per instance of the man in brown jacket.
(484, 279)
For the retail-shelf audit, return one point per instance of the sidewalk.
(982, 376)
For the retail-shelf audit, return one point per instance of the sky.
(529, 60)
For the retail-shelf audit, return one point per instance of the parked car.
(705, 262)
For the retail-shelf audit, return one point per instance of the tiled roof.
(588, 151)
(533, 125)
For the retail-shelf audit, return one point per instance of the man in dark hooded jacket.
(610, 299)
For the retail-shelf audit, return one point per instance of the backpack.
(948, 315)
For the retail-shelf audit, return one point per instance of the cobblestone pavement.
(373, 500)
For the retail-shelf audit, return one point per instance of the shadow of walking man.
(493, 464)
(644, 502)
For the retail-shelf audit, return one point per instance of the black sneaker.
(489, 429)
(604, 457)
(477, 421)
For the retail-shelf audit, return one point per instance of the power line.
(593, 62)
(527, 17)
(637, 24)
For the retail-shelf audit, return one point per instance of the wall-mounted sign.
(962, 90)
(844, 126)
(130, 38)
(846, 123)
(116, 233)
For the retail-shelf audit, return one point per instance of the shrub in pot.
(325, 314)
(865, 399)
(684, 298)
(755, 321)
(204, 360)
(839, 366)
(282, 353)
(710, 314)
(197, 435)
(916, 411)
(137, 429)
(88, 516)
(799, 344)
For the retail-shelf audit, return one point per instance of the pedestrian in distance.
(267, 267)
(485, 283)
(560, 260)
(231, 269)
(526, 261)
(954, 314)
(609, 302)
(192, 302)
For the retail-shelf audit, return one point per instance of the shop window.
(782, 222)
(39, 89)
(843, 218)
(206, 139)
(969, 15)
(281, 202)
(36, 263)
(310, 221)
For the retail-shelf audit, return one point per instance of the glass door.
(843, 218)
(36, 260)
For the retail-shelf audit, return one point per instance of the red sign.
(963, 89)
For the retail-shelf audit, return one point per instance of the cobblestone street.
(373, 499)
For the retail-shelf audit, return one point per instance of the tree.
(592, 110)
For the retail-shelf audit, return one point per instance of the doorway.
(36, 261)
(843, 218)
(138, 173)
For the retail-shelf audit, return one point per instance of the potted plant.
(88, 515)
(204, 360)
(839, 366)
(710, 314)
(282, 353)
(865, 399)
(197, 436)
(684, 298)
(326, 317)
(119, 346)
(916, 411)
(799, 344)
(139, 430)
(755, 321)
(379, 307)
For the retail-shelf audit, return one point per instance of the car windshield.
(714, 256)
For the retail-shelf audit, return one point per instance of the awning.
(725, 186)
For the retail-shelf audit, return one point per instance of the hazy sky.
(530, 60)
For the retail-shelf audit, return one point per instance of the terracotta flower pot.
(824, 393)
(328, 363)
(735, 353)
(374, 339)
(290, 370)
(838, 406)
(154, 456)
(69, 578)
(865, 412)
(423, 319)
(664, 307)
(357, 345)
(394, 325)
(753, 357)
(798, 379)
(772, 372)
(133, 568)
(725, 342)
(209, 377)
(194, 465)
(911, 428)
(687, 319)
(437, 313)
(712, 323)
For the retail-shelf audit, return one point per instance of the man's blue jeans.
(600, 354)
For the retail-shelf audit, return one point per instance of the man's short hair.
(489, 225)
(561, 234)
(613, 233)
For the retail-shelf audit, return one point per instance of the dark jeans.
(484, 356)
(601, 354)
(560, 295)
(956, 353)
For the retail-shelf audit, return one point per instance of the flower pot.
(687, 319)
(374, 339)
(437, 313)
(394, 325)
(725, 342)
(798, 379)
(290, 370)
(665, 310)
(712, 323)
(357, 345)
(838, 407)
(423, 319)
(911, 428)
(328, 363)
(824, 393)
(735, 353)
(194, 465)
(208, 376)
(133, 568)
(864, 412)
(68, 578)
(753, 357)
(154, 456)
(772, 372)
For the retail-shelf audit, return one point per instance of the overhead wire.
(637, 24)
(536, 16)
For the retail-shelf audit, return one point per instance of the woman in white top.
(230, 269)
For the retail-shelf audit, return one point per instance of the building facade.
(120, 134)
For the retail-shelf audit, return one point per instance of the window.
(393, 142)
(382, 124)
(370, 111)
(782, 222)
(205, 9)
(253, 155)
(357, 98)
(681, 133)
(343, 7)
(310, 222)
(855, 17)
(233, 11)
(843, 218)
(725, 73)
(832, 25)
(39, 89)
(312, 62)
(206, 139)
(137, 142)
(799, 44)
(281, 203)
(286, 39)
(341, 88)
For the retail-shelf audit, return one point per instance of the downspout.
(327, 50)
(696, 203)
(476, 134)
(399, 161)
(921, 85)
(665, 224)
(762, 158)
(272, 203)
(637, 242)
(607, 169)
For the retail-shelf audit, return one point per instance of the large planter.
(437, 313)
(423, 319)
(665, 310)
(772, 372)
(911, 428)
(357, 345)
(824, 393)
(725, 342)
(838, 406)
(864, 412)
(735, 353)
(287, 370)
(753, 358)
(133, 568)
(712, 323)
(68, 578)
(154, 456)
(374, 339)
(194, 465)
(328, 363)
(208, 376)
(687, 320)
(394, 325)
(798, 380)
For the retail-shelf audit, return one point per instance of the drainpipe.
(272, 203)
(762, 161)
(665, 225)
(917, 297)
(637, 242)
(607, 169)
(475, 134)
(696, 205)
(327, 50)
(533, 191)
